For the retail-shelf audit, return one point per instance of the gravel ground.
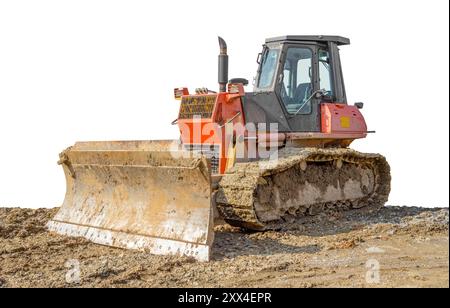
(393, 247)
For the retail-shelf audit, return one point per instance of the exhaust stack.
(223, 66)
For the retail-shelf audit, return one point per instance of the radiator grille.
(212, 152)
(200, 106)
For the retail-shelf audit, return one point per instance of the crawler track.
(259, 195)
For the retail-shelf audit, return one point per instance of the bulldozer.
(253, 159)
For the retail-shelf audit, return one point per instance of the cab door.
(296, 86)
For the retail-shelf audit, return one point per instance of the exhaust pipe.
(223, 66)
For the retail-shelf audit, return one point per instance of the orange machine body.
(203, 120)
(205, 126)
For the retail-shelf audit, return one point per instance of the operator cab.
(297, 73)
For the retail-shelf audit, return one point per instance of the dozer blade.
(137, 195)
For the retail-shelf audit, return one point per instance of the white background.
(105, 70)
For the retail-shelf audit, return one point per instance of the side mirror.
(323, 95)
(258, 59)
(359, 105)
(319, 94)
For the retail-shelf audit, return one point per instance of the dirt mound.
(409, 246)
(17, 222)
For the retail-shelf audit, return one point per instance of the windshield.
(268, 67)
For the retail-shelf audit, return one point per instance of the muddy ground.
(394, 247)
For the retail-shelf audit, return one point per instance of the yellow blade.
(137, 195)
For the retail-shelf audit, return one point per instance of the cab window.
(325, 72)
(297, 84)
(268, 67)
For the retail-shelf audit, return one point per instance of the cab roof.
(339, 40)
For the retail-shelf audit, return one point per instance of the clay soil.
(393, 247)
